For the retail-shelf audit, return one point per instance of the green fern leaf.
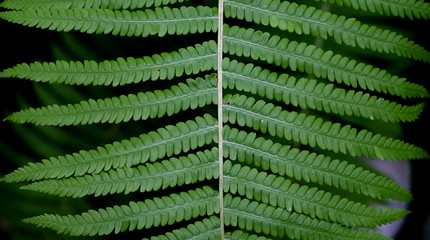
(160, 21)
(144, 178)
(190, 60)
(147, 147)
(194, 94)
(241, 235)
(281, 192)
(280, 223)
(312, 60)
(108, 4)
(207, 229)
(307, 166)
(312, 131)
(313, 95)
(155, 212)
(399, 8)
(308, 20)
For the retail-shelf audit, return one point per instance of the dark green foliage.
(308, 166)
(191, 60)
(312, 60)
(193, 94)
(279, 222)
(308, 20)
(401, 8)
(109, 4)
(147, 147)
(149, 177)
(313, 131)
(136, 215)
(307, 93)
(207, 229)
(278, 191)
(160, 21)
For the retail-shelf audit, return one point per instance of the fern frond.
(154, 145)
(307, 166)
(109, 4)
(309, 20)
(266, 189)
(313, 95)
(241, 235)
(313, 131)
(154, 212)
(190, 60)
(280, 192)
(160, 21)
(144, 178)
(278, 222)
(206, 229)
(313, 60)
(399, 8)
(194, 94)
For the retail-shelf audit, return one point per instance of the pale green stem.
(220, 123)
